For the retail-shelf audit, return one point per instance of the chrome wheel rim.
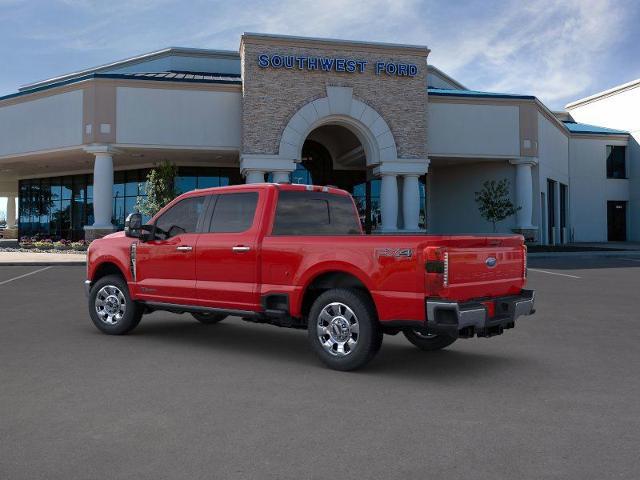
(338, 329)
(110, 304)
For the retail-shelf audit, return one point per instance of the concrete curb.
(617, 253)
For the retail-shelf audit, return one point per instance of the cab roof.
(287, 187)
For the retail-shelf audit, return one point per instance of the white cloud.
(545, 48)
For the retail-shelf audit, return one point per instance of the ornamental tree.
(160, 189)
(494, 201)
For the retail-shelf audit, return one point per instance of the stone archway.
(340, 108)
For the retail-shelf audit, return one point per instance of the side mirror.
(133, 225)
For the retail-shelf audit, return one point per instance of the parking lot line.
(25, 275)
(553, 273)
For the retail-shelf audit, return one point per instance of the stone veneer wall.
(271, 96)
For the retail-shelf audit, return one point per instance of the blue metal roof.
(585, 128)
(188, 77)
(445, 92)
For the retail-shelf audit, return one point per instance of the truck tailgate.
(482, 267)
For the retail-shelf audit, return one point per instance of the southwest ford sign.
(333, 64)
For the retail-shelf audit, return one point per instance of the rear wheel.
(111, 308)
(208, 318)
(343, 329)
(427, 341)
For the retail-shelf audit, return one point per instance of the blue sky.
(557, 50)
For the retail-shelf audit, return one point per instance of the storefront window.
(59, 207)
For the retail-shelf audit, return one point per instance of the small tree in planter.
(160, 189)
(494, 201)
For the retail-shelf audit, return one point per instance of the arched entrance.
(333, 155)
(339, 140)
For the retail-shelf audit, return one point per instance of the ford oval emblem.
(491, 262)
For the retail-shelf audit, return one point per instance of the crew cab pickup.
(296, 256)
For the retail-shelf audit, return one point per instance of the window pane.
(315, 213)
(616, 167)
(129, 205)
(67, 188)
(181, 218)
(186, 184)
(118, 185)
(79, 187)
(118, 213)
(207, 182)
(234, 212)
(131, 185)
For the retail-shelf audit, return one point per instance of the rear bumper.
(87, 288)
(471, 318)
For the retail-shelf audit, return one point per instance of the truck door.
(227, 253)
(165, 265)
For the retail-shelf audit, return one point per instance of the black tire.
(428, 343)
(362, 346)
(208, 318)
(129, 313)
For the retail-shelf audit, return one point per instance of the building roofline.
(447, 77)
(132, 61)
(445, 92)
(605, 93)
(598, 131)
(116, 76)
(416, 49)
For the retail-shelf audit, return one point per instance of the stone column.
(389, 202)
(254, 176)
(102, 192)
(11, 212)
(281, 177)
(411, 202)
(524, 193)
(410, 170)
(253, 166)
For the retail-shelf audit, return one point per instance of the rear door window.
(234, 212)
(315, 213)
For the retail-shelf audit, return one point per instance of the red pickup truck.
(296, 256)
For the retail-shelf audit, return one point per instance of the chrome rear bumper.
(472, 318)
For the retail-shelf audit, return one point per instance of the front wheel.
(428, 341)
(343, 329)
(111, 308)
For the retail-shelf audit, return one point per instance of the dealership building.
(411, 144)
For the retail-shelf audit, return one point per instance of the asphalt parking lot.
(557, 397)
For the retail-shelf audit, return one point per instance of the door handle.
(184, 248)
(240, 249)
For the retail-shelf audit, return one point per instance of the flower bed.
(38, 244)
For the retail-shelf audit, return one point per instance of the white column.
(557, 212)
(411, 202)
(103, 190)
(389, 202)
(11, 212)
(281, 177)
(524, 193)
(102, 186)
(254, 176)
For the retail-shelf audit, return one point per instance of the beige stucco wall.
(271, 96)
(54, 121)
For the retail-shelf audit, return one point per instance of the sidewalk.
(36, 259)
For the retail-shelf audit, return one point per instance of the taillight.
(524, 261)
(437, 267)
